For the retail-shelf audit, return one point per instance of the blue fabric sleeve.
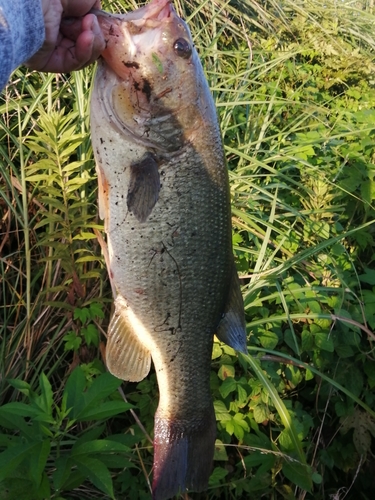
(21, 34)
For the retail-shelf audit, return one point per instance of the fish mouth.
(157, 10)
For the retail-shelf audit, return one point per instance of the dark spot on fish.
(163, 93)
(101, 140)
(131, 64)
(146, 89)
(111, 30)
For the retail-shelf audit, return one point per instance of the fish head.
(155, 75)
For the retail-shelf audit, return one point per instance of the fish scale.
(164, 194)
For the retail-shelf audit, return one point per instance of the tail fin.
(183, 455)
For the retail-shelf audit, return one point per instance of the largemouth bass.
(164, 195)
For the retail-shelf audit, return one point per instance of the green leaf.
(220, 451)
(96, 310)
(216, 351)
(279, 405)
(38, 460)
(99, 446)
(91, 335)
(307, 340)
(19, 409)
(44, 489)
(299, 474)
(269, 339)
(221, 411)
(103, 386)
(20, 385)
(11, 458)
(217, 475)
(72, 341)
(10, 420)
(317, 478)
(83, 314)
(368, 190)
(324, 341)
(74, 390)
(226, 371)
(45, 400)
(260, 413)
(229, 385)
(104, 410)
(118, 461)
(344, 351)
(290, 340)
(61, 474)
(368, 277)
(240, 426)
(242, 396)
(96, 472)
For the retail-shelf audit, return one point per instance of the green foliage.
(293, 84)
(42, 444)
(86, 329)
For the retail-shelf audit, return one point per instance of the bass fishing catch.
(164, 195)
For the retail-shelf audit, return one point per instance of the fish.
(165, 199)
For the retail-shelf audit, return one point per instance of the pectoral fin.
(126, 357)
(232, 326)
(144, 187)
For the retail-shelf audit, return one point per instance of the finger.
(90, 42)
(70, 56)
(83, 50)
(72, 8)
(71, 27)
(99, 40)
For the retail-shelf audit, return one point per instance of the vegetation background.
(294, 86)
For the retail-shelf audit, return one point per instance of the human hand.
(73, 38)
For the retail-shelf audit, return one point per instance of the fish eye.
(182, 48)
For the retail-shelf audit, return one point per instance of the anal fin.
(126, 357)
(232, 326)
